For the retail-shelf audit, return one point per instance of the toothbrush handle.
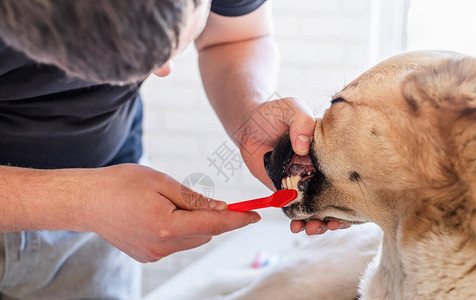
(250, 204)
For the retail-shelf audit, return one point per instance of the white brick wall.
(323, 45)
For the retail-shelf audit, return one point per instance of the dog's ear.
(449, 84)
(448, 89)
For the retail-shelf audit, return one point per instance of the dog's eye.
(338, 99)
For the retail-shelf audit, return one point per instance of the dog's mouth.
(288, 170)
(298, 173)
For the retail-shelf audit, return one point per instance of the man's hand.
(149, 215)
(265, 124)
(260, 133)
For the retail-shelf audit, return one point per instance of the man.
(70, 129)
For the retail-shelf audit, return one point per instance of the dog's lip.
(299, 165)
(276, 173)
(298, 173)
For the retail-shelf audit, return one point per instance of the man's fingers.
(190, 199)
(301, 127)
(315, 227)
(186, 198)
(334, 225)
(210, 222)
(297, 226)
(312, 227)
(217, 205)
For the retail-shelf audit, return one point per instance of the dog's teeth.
(292, 182)
(309, 173)
(283, 184)
(296, 180)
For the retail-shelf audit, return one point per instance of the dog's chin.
(299, 211)
(295, 212)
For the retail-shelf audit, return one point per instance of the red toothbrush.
(278, 199)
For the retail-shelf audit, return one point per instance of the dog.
(397, 147)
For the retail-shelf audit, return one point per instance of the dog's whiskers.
(359, 180)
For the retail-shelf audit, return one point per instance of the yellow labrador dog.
(397, 147)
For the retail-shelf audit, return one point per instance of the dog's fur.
(398, 147)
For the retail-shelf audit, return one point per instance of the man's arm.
(238, 61)
(144, 213)
(33, 199)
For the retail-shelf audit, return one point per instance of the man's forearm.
(238, 76)
(33, 199)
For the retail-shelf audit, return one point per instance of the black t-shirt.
(234, 8)
(49, 120)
